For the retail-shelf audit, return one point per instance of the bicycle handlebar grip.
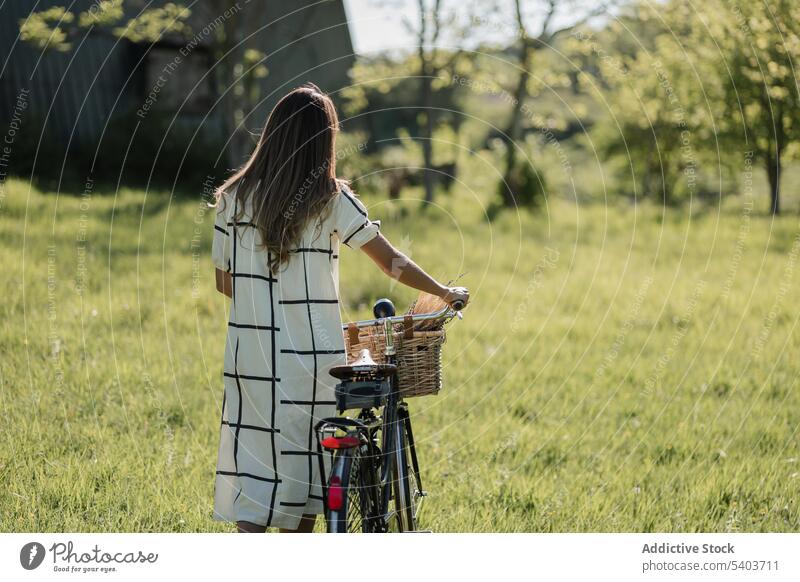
(383, 308)
(458, 305)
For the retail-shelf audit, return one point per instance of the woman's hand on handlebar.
(456, 297)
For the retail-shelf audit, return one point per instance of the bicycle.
(374, 484)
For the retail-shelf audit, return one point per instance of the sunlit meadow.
(621, 367)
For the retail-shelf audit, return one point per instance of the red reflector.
(345, 442)
(335, 494)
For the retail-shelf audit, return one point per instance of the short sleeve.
(353, 224)
(221, 245)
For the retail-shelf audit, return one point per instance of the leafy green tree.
(650, 94)
(56, 27)
(757, 48)
(665, 127)
(698, 85)
(434, 63)
(526, 87)
(416, 86)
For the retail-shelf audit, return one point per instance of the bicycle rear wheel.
(354, 505)
(404, 482)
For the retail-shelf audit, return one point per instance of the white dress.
(284, 335)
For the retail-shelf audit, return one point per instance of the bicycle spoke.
(355, 509)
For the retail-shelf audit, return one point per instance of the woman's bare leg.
(248, 527)
(306, 525)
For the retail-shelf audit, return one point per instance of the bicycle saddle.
(363, 366)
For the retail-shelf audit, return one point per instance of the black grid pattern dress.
(284, 335)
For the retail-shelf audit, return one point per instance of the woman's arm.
(398, 266)
(224, 282)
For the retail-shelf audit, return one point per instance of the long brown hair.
(291, 175)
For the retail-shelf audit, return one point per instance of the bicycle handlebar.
(446, 311)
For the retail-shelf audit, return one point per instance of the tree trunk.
(426, 98)
(513, 131)
(773, 161)
(426, 132)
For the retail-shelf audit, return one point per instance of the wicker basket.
(419, 355)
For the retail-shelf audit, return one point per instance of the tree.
(760, 46)
(432, 63)
(527, 47)
(423, 78)
(56, 27)
(427, 70)
(656, 124)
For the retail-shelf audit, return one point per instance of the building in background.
(183, 96)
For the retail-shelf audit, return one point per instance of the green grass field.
(621, 368)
